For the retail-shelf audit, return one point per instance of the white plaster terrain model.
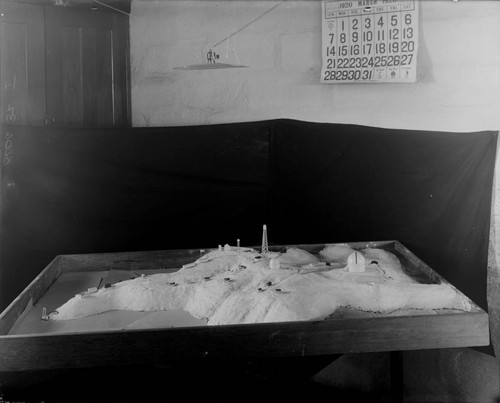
(235, 285)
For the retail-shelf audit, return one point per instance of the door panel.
(97, 76)
(82, 68)
(70, 86)
(22, 64)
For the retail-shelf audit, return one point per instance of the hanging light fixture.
(211, 64)
(213, 57)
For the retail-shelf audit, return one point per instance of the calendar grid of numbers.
(369, 41)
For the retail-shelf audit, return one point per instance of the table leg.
(396, 359)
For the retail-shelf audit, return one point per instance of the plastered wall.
(458, 89)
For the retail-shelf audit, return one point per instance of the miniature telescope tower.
(265, 246)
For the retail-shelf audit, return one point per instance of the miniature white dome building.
(356, 262)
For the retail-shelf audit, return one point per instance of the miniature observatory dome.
(356, 262)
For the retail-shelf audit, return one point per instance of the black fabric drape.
(104, 190)
(431, 191)
(81, 191)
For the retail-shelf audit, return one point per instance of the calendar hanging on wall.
(369, 41)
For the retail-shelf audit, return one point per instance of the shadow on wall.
(424, 60)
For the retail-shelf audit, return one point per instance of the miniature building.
(274, 263)
(356, 262)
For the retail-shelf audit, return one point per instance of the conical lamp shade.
(209, 66)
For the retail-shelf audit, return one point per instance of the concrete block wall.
(458, 89)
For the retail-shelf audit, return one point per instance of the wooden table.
(279, 351)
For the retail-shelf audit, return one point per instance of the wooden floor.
(205, 380)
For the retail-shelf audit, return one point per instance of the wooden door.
(22, 63)
(87, 64)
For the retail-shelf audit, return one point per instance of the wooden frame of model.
(334, 335)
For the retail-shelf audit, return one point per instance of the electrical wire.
(245, 26)
(218, 43)
(111, 7)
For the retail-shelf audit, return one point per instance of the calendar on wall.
(369, 41)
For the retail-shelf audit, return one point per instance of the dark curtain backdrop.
(432, 191)
(104, 190)
(79, 191)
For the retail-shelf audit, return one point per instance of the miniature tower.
(265, 247)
